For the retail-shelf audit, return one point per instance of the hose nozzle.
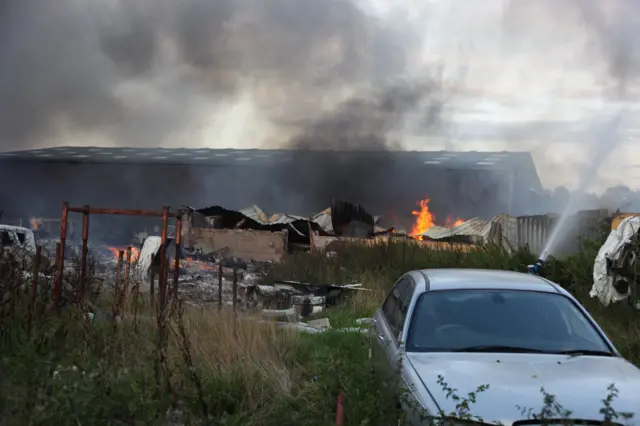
(536, 268)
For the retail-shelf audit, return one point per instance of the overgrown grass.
(378, 267)
(223, 369)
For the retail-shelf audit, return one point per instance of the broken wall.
(248, 245)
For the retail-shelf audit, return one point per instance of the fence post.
(220, 285)
(125, 288)
(57, 285)
(85, 250)
(235, 288)
(34, 288)
(116, 285)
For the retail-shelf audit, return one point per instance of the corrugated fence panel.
(533, 232)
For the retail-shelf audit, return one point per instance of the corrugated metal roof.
(282, 218)
(464, 159)
(254, 212)
(471, 228)
(323, 219)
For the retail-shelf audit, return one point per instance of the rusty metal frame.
(86, 211)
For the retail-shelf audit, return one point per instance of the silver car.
(509, 339)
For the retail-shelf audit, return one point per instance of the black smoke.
(140, 72)
(345, 153)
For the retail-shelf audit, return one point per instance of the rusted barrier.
(340, 409)
(86, 211)
(57, 280)
(85, 251)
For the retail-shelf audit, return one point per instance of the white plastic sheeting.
(150, 247)
(612, 249)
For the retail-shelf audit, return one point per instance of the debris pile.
(214, 279)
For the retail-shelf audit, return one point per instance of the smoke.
(153, 72)
(366, 126)
(320, 75)
(613, 28)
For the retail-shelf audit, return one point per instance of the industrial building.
(462, 184)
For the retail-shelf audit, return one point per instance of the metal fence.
(533, 232)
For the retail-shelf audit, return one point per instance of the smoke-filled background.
(519, 75)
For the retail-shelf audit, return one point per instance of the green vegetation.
(213, 368)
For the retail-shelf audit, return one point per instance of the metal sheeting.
(533, 232)
(525, 232)
(255, 213)
(323, 219)
(471, 228)
(284, 219)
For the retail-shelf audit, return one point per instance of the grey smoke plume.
(612, 41)
(602, 40)
(616, 37)
(141, 71)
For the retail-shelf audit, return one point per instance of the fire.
(135, 253)
(35, 222)
(453, 223)
(425, 220)
(202, 266)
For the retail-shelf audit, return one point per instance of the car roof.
(482, 279)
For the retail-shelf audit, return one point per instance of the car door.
(389, 324)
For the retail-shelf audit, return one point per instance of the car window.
(7, 240)
(21, 237)
(396, 306)
(451, 320)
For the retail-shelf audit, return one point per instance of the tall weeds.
(226, 369)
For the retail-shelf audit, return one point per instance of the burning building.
(459, 184)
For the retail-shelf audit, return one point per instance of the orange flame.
(452, 224)
(425, 220)
(135, 253)
(35, 222)
(190, 262)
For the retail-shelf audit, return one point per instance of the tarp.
(613, 248)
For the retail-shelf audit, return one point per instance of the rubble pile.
(208, 279)
(224, 257)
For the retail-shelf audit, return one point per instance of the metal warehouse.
(465, 184)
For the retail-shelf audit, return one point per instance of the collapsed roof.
(341, 219)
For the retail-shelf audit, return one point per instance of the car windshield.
(500, 321)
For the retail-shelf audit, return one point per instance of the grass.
(211, 367)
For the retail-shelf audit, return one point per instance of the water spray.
(606, 140)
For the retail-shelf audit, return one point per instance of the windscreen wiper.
(500, 348)
(584, 352)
